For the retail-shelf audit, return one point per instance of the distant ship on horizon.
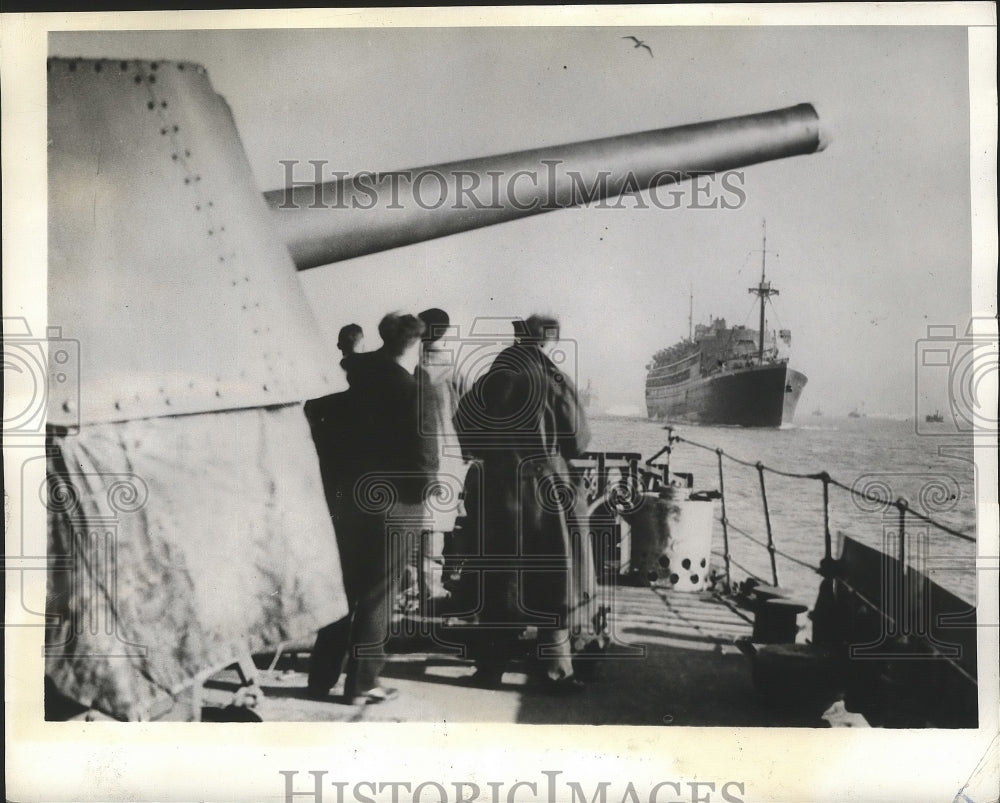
(722, 375)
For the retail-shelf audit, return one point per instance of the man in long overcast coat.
(524, 421)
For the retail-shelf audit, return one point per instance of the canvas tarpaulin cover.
(177, 544)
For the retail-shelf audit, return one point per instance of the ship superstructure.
(727, 375)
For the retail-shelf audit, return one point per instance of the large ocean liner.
(723, 375)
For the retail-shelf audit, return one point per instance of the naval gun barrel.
(331, 221)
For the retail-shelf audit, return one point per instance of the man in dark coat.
(524, 421)
(375, 488)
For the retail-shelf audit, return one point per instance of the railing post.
(827, 540)
(767, 521)
(670, 448)
(725, 522)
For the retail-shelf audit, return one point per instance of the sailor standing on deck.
(524, 421)
(379, 495)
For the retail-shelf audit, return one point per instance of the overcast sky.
(871, 238)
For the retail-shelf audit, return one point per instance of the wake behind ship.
(730, 376)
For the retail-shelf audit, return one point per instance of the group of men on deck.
(399, 452)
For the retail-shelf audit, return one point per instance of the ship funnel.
(331, 221)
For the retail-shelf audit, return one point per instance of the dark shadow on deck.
(687, 673)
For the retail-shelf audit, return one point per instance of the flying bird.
(640, 43)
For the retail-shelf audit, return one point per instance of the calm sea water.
(886, 458)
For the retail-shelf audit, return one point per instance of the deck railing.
(900, 504)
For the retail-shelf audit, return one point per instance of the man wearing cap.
(524, 421)
(377, 497)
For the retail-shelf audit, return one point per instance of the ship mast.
(764, 292)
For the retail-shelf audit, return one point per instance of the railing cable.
(826, 479)
(763, 544)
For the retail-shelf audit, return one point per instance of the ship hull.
(763, 396)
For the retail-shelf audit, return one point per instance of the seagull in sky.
(640, 43)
